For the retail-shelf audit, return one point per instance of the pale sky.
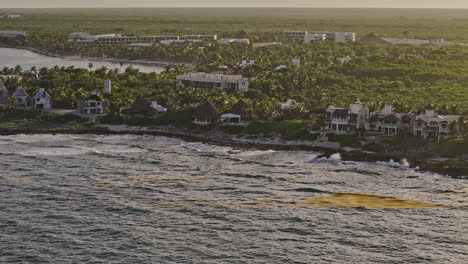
(235, 3)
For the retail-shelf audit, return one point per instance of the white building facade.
(42, 100)
(213, 81)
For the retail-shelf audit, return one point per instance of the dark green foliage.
(290, 129)
(345, 140)
(404, 142)
(374, 147)
(233, 130)
(451, 148)
(112, 119)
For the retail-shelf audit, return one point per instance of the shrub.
(234, 130)
(345, 140)
(375, 147)
(112, 119)
(290, 129)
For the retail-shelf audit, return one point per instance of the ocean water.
(145, 199)
(27, 59)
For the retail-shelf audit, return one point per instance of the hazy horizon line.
(238, 7)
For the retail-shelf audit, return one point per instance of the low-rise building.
(202, 37)
(213, 81)
(340, 37)
(343, 60)
(93, 105)
(42, 100)
(12, 34)
(430, 125)
(206, 114)
(234, 115)
(179, 42)
(295, 34)
(346, 120)
(157, 38)
(230, 41)
(313, 37)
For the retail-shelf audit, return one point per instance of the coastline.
(100, 59)
(423, 165)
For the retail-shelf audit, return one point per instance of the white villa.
(213, 81)
(428, 125)
(345, 120)
(387, 123)
(93, 105)
(22, 97)
(42, 100)
(431, 125)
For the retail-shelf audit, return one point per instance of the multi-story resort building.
(12, 34)
(314, 37)
(346, 120)
(295, 34)
(431, 125)
(230, 41)
(157, 38)
(213, 81)
(203, 37)
(340, 37)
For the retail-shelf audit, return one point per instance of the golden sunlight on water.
(370, 201)
(341, 200)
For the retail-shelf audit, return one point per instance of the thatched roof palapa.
(206, 110)
(238, 107)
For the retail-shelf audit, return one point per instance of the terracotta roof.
(429, 128)
(206, 110)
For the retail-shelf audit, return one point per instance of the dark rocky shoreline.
(439, 167)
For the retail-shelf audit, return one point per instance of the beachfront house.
(388, 123)
(3, 93)
(143, 108)
(347, 120)
(213, 81)
(42, 100)
(234, 115)
(93, 105)
(430, 125)
(22, 97)
(206, 114)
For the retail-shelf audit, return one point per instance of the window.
(444, 125)
(433, 123)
